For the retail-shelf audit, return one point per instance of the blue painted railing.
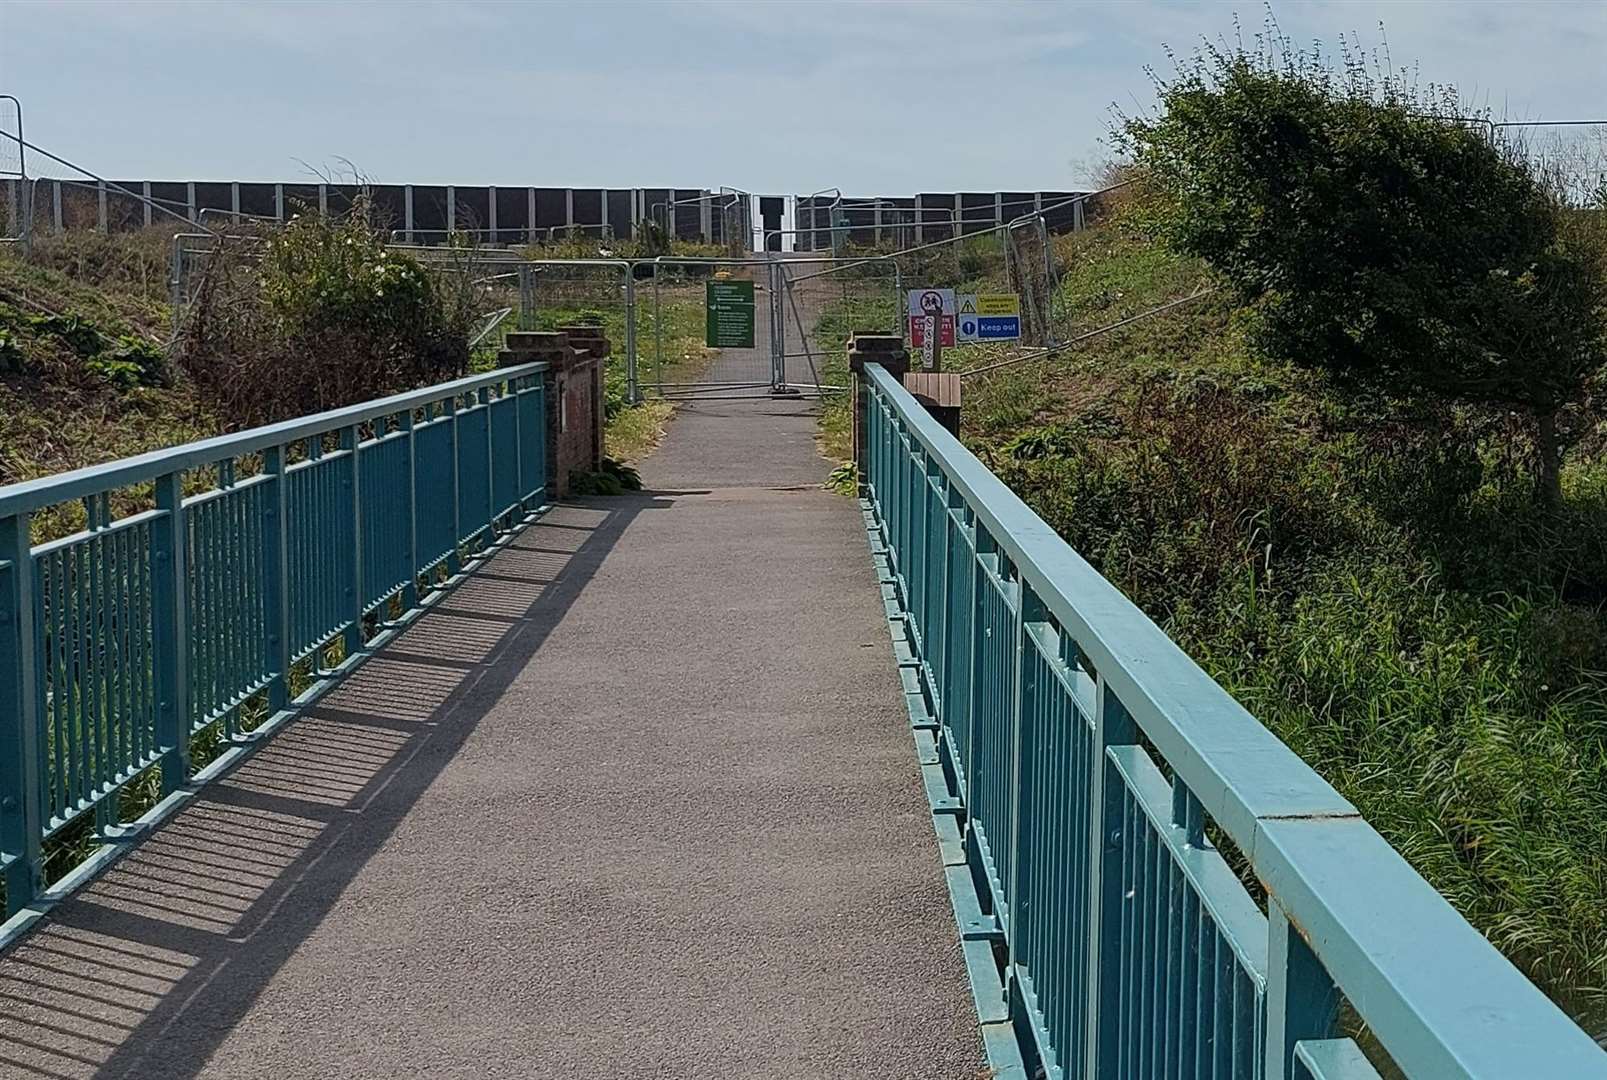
(120, 642)
(1081, 758)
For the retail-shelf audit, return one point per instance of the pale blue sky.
(767, 95)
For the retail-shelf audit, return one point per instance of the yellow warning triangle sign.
(968, 305)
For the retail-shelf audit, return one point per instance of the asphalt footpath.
(638, 799)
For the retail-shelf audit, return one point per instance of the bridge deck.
(638, 798)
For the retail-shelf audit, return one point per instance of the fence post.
(350, 440)
(1102, 981)
(21, 832)
(1302, 1001)
(275, 578)
(170, 632)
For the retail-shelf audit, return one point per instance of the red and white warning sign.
(937, 303)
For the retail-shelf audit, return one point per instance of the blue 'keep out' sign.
(998, 327)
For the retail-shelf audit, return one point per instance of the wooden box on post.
(939, 393)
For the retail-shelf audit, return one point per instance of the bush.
(611, 478)
(1183, 487)
(1376, 235)
(321, 314)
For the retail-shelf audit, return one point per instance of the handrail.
(122, 641)
(1345, 913)
(30, 495)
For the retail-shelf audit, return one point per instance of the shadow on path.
(147, 970)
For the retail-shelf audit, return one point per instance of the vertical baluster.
(38, 570)
(83, 732)
(171, 630)
(351, 440)
(204, 617)
(56, 572)
(147, 653)
(975, 660)
(233, 573)
(1019, 780)
(251, 650)
(410, 525)
(88, 664)
(125, 638)
(21, 830)
(275, 578)
(233, 609)
(1302, 1001)
(1109, 933)
(1123, 1054)
(106, 770)
(483, 395)
(451, 415)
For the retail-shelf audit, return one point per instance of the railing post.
(1302, 1001)
(483, 396)
(21, 831)
(1025, 739)
(410, 589)
(452, 560)
(350, 440)
(510, 394)
(170, 632)
(275, 575)
(1112, 727)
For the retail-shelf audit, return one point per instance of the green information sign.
(729, 314)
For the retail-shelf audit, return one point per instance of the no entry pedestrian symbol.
(938, 304)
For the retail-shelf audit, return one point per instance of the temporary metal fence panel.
(1096, 768)
(120, 641)
(819, 303)
(677, 363)
(15, 191)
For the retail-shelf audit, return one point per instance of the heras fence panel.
(1097, 769)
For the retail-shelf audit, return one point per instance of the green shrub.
(611, 478)
(320, 314)
(11, 354)
(1374, 234)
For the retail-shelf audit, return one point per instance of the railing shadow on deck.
(146, 970)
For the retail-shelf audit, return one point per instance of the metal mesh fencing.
(13, 171)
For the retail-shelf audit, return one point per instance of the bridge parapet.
(1083, 772)
(230, 573)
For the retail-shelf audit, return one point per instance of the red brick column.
(574, 394)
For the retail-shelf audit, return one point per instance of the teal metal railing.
(120, 642)
(1087, 763)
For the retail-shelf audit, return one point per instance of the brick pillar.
(865, 348)
(526, 347)
(595, 343)
(574, 396)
